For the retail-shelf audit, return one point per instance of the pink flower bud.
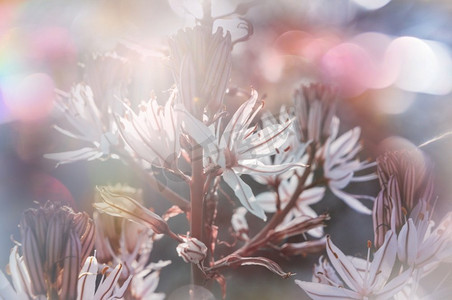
(192, 250)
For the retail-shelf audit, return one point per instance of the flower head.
(55, 242)
(201, 63)
(406, 183)
(340, 165)
(89, 124)
(268, 201)
(239, 147)
(359, 279)
(153, 133)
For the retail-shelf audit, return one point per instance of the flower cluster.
(207, 159)
(409, 245)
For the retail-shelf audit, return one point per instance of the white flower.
(192, 250)
(239, 148)
(363, 279)
(340, 165)
(144, 284)
(286, 188)
(22, 287)
(421, 246)
(153, 134)
(291, 152)
(89, 125)
(108, 287)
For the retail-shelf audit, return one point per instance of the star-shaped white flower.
(88, 125)
(153, 133)
(267, 200)
(340, 165)
(363, 279)
(239, 148)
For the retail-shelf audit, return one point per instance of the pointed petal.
(244, 193)
(75, 155)
(254, 166)
(407, 243)
(318, 291)
(351, 201)
(108, 284)
(6, 290)
(86, 285)
(343, 266)
(383, 262)
(394, 286)
(267, 200)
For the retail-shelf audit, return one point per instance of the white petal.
(394, 286)
(267, 200)
(244, 193)
(240, 120)
(383, 262)
(318, 291)
(19, 274)
(6, 290)
(265, 142)
(108, 284)
(75, 155)
(86, 285)
(407, 243)
(343, 266)
(351, 201)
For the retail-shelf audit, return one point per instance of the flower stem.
(197, 206)
(259, 239)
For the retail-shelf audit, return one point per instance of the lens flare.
(30, 97)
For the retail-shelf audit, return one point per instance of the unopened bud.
(192, 250)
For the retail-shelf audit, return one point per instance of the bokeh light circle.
(29, 97)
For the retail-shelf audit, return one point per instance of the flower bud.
(192, 250)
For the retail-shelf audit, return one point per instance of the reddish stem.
(197, 202)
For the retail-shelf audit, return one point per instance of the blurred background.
(391, 61)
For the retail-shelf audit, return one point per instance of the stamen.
(331, 282)
(369, 245)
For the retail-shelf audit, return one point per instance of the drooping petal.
(244, 193)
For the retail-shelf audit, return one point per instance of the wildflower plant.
(193, 140)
